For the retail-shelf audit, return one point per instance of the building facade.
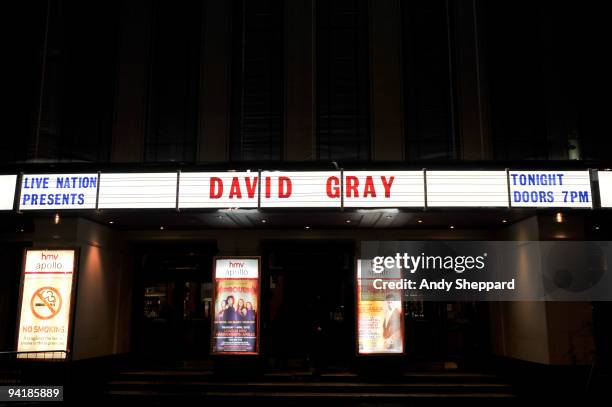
(301, 86)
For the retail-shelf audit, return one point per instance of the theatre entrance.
(308, 310)
(310, 304)
(447, 333)
(172, 301)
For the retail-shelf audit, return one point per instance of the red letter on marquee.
(387, 185)
(251, 187)
(286, 191)
(267, 187)
(369, 187)
(333, 191)
(235, 189)
(351, 185)
(216, 193)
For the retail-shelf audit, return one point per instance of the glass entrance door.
(311, 304)
(174, 309)
(438, 332)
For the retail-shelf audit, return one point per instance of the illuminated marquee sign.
(550, 189)
(7, 191)
(46, 301)
(605, 188)
(380, 189)
(58, 191)
(304, 189)
(138, 190)
(312, 189)
(219, 190)
(235, 328)
(467, 188)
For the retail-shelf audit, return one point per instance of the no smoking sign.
(46, 302)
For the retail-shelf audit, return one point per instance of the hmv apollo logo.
(237, 269)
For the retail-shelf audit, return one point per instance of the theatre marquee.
(337, 189)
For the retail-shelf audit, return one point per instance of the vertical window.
(24, 62)
(545, 69)
(174, 81)
(74, 111)
(513, 47)
(342, 80)
(427, 80)
(257, 80)
(584, 68)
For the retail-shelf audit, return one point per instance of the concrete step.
(9, 377)
(209, 375)
(310, 396)
(323, 387)
(153, 385)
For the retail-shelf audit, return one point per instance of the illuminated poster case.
(236, 306)
(380, 316)
(46, 303)
(7, 191)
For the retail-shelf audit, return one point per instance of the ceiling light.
(386, 210)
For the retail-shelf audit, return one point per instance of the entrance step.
(304, 375)
(9, 377)
(157, 385)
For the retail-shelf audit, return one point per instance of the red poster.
(236, 306)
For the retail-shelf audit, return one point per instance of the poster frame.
(71, 311)
(214, 301)
(402, 323)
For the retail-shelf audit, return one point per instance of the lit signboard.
(303, 189)
(380, 320)
(7, 191)
(467, 188)
(46, 300)
(382, 189)
(236, 308)
(310, 189)
(605, 188)
(58, 191)
(138, 190)
(219, 190)
(550, 189)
